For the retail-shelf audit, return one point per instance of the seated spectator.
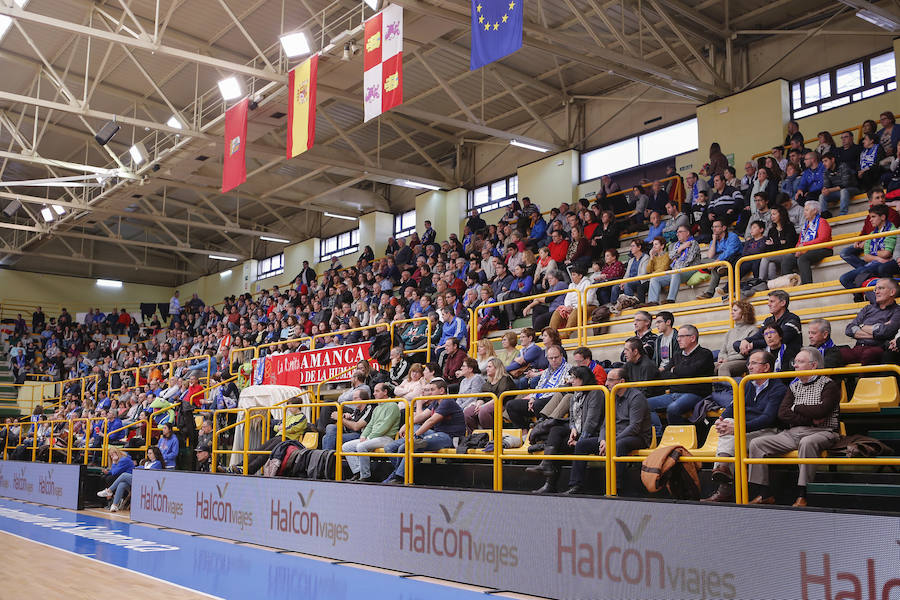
(637, 266)
(655, 227)
(640, 203)
(450, 362)
(762, 398)
(870, 159)
(523, 408)
(755, 243)
(566, 315)
(454, 327)
(558, 247)
(121, 486)
(789, 185)
(684, 253)
(612, 269)
(811, 181)
(413, 386)
(774, 337)
(780, 236)
(353, 418)
(643, 330)
(889, 135)
(726, 202)
(693, 361)
(875, 326)
(676, 220)
(764, 185)
(583, 357)
(638, 366)
(544, 265)
(815, 230)
(731, 363)
(778, 303)
(606, 235)
(871, 258)
(377, 433)
(725, 246)
(585, 410)
(497, 381)
(665, 346)
(521, 286)
(438, 423)
(471, 382)
(633, 431)
(839, 183)
(168, 445)
(485, 351)
(400, 366)
(810, 409)
(820, 338)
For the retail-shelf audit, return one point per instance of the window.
(339, 245)
(643, 149)
(404, 224)
(494, 195)
(843, 84)
(270, 267)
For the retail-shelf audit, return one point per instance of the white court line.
(104, 563)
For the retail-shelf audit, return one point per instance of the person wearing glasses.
(693, 361)
(762, 399)
(810, 409)
(521, 410)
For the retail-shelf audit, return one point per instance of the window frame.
(511, 182)
(399, 230)
(864, 91)
(637, 138)
(339, 250)
(265, 272)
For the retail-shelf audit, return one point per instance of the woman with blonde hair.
(497, 381)
(508, 351)
(731, 362)
(414, 384)
(485, 353)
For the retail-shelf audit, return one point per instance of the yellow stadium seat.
(310, 439)
(882, 390)
(710, 445)
(676, 435)
(844, 398)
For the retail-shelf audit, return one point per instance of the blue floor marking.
(219, 568)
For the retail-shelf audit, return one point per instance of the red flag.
(234, 168)
(301, 133)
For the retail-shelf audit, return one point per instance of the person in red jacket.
(194, 393)
(558, 247)
(123, 322)
(815, 230)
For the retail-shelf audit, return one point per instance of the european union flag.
(496, 30)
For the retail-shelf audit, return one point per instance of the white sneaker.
(113, 508)
(105, 493)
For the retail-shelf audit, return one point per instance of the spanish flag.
(301, 133)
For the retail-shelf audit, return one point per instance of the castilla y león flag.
(383, 62)
(234, 167)
(301, 133)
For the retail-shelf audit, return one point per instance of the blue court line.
(221, 569)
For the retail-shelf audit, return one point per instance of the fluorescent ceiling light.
(59, 209)
(345, 217)
(47, 214)
(421, 186)
(878, 20)
(230, 88)
(218, 257)
(109, 283)
(225, 274)
(138, 153)
(519, 144)
(274, 239)
(295, 44)
(174, 122)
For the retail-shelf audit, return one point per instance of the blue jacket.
(522, 285)
(155, 465)
(169, 448)
(539, 229)
(812, 180)
(895, 136)
(112, 425)
(123, 465)
(789, 185)
(653, 232)
(455, 328)
(534, 357)
(728, 247)
(760, 411)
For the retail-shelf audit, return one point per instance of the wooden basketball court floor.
(51, 553)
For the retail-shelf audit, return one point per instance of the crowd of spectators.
(781, 201)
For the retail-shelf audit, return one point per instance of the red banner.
(234, 167)
(313, 366)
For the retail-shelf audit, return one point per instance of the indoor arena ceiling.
(69, 66)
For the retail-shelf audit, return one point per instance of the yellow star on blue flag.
(496, 30)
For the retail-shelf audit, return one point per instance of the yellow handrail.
(857, 128)
(474, 319)
(743, 476)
